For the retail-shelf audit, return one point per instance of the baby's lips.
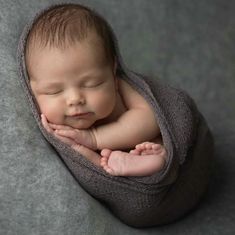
(80, 115)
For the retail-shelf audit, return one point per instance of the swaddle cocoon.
(164, 196)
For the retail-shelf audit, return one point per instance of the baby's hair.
(64, 25)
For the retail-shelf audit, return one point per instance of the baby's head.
(64, 25)
(70, 60)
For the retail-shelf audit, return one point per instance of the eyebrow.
(50, 84)
(43, 85)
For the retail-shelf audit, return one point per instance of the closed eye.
(53, 92)
(93, 85)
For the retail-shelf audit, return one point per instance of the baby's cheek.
(52, 112)
(53, 117)
(105, 105)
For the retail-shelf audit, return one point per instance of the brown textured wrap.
(164, 196)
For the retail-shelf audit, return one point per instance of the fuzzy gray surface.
(189, 45)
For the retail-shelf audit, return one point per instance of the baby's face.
(73, 86)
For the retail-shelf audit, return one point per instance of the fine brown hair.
(63, 25)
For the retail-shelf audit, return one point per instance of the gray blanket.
(164, 196)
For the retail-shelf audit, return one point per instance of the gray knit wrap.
(164, 196)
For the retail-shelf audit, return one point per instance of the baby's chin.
(81, 125)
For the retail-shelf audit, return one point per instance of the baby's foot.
(144, 160)
(148, 148)
(113, 162)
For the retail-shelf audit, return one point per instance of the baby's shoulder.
(130, 96)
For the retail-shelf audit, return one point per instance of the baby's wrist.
(93, 133)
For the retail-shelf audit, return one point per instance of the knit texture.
(164, 196)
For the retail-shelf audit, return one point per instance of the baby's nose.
(75, 98)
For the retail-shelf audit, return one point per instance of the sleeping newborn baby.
(72, 66)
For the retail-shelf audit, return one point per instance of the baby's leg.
(146, 159)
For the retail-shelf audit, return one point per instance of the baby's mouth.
(80, 115)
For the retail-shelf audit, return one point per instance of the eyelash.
(52, 93)
(89, 86)
(93, 86)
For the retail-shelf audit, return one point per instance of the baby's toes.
(104, 164)
(104, 161)
(149, 145)
(141, 147)
(105, 152)
(134, 152)
(157, 147)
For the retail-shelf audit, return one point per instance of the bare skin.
(86, 152)
(89, 108)
(146, 159)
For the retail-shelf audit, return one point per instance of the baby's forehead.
(92, 39)
(82, 55)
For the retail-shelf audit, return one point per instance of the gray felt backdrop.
(189, 44)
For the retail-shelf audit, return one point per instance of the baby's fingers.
(46, 124)
(67, 133)
(60, 127)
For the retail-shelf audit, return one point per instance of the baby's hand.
(71, 135)
(83, 137)
(52, 131)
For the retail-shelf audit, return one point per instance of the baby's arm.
(136, 125)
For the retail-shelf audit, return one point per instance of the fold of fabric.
(164, 196)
